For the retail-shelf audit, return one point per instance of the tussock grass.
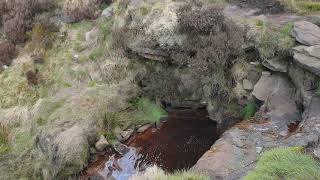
(285, 163)
(302, 6)
(4, 139)
(250, 109)
(275, 42)
(156, 173)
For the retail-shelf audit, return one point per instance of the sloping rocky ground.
(52, 118)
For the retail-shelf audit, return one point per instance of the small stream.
(177, 143)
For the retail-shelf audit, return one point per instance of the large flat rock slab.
(306, 33)
(308, 58)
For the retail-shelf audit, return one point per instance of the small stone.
(247, 85)
(143, 128)
(93, 150)
(259, 149)
(5, 67)
(102, 143)
(266, 73)
(76, 56)
(108, 12)
(92, 35)
(121, 148)
(126, 134)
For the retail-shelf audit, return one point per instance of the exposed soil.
(176, 144)
(264, 6)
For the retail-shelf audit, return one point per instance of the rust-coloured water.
(176, 144)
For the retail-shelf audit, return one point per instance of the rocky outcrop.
(305, 83)
(308, 58)
(67, 150)
(276, 64)
(236, 152)
(306, 33)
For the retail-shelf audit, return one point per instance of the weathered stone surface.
(143, 128)
(126, 134)
(309, 129)
(230, 157)
(279, 96)
(313, 51)
(121, 148)
(108, 12)
(305, 83)
(92, 35)
(306, 33)
(305, 60)
(276, 65)
(247, 85)
(102, 143)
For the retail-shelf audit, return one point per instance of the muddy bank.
(177, 143)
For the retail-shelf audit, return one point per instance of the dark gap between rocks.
(178, 142)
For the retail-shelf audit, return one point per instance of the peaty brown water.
(177, 143)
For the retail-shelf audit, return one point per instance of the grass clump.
(275, 43)
(250, 109)
(217, 1)
(158, 174)
(285, 163)
(96, 54)
(148, 111)
(15, 89)
(302, 6)
(4, 139)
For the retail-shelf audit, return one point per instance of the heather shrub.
(18, 16)
(78, 10)
(211, 46)
(43, 5)
(17, 20)
(42, 34)
(7, 53)
(212, 40)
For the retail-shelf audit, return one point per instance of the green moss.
(250, 109)
(148, 111)
(285, 163)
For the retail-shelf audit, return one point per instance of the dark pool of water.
(176, 144)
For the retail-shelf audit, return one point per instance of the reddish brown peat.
(176, 144)
(179, 142)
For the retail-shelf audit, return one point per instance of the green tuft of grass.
(148, 111)
(302, 6)
(156, 173)
(250, 109)
(105, 27)
(275, 42)
(285, 163)
(217, 1)
(96, 54)
(4, 140)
